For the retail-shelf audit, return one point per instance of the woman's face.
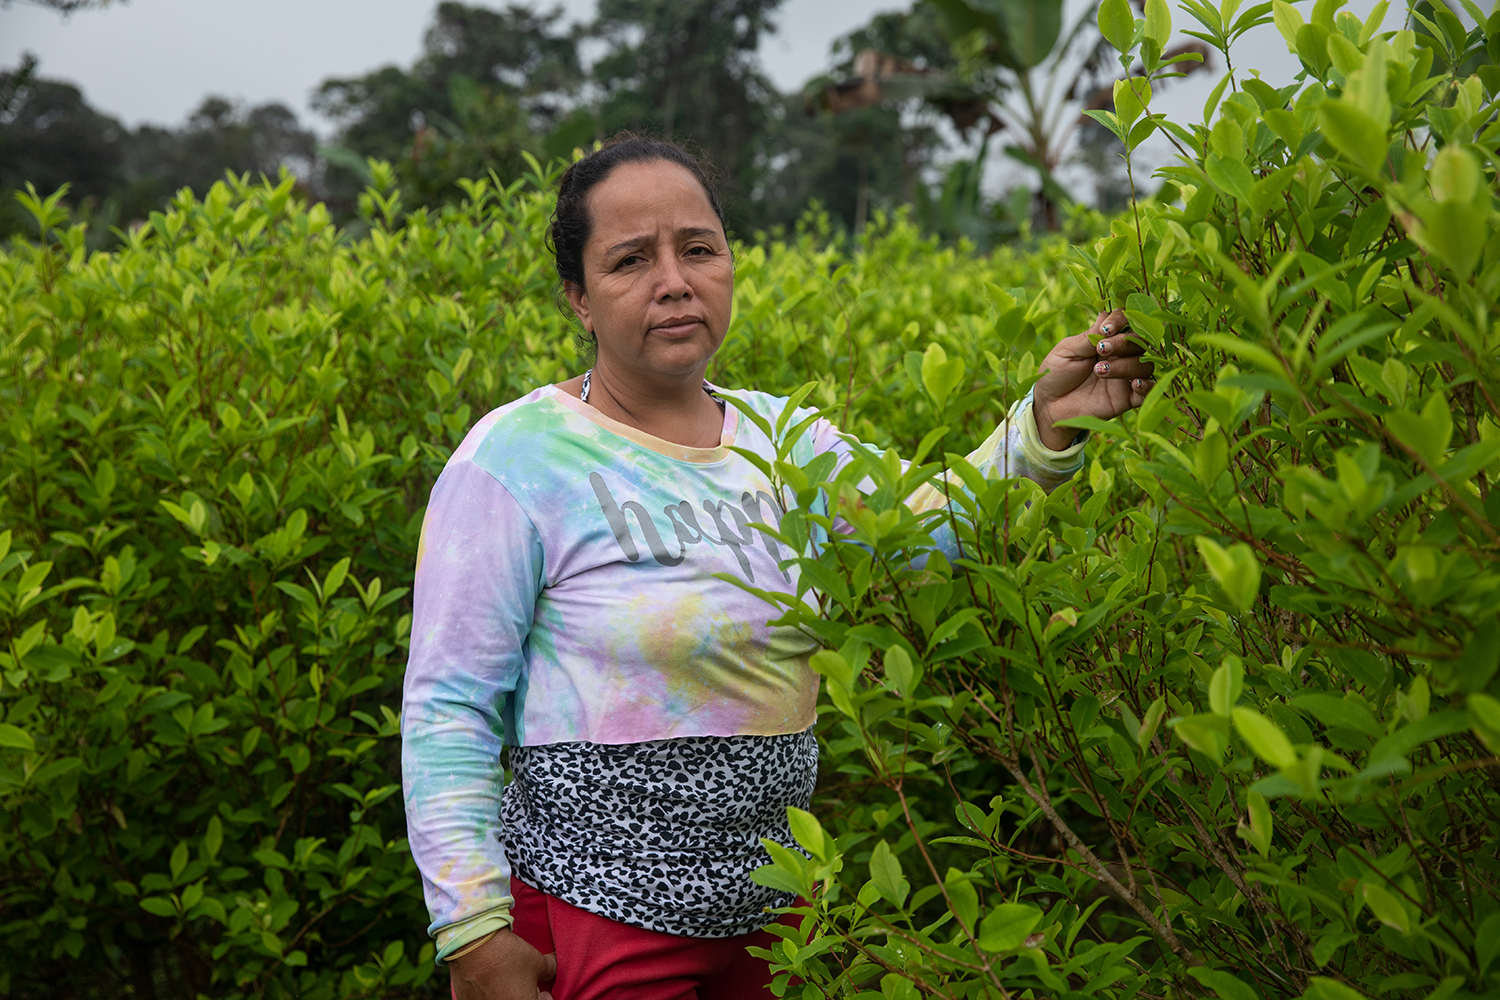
(658, 274)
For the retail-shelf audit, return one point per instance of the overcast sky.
(155, 60)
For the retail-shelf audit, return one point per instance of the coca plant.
(1220, 717)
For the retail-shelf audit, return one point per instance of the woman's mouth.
(678, 326)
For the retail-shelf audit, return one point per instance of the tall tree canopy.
(489, 85)
(687, 69)
(50, 136)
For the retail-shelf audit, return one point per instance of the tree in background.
(50, 136)
(490, 85)
(872, 157)
(687, 70)
(219, 136)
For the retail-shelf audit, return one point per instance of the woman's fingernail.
(1105, 346)
(1102, 368)
(1135, 384)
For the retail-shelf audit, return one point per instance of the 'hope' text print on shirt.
(734, 532)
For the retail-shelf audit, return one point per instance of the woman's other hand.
(1082, 378)
(504, 967)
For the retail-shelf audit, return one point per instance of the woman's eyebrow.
(634, 243)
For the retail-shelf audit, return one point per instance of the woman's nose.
(671, 281)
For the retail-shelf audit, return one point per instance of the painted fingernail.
(1108, 329)
(1102, 368)
(1135, 384)
(1105, 347)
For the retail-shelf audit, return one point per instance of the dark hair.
(571, 225)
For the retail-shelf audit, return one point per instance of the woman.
(566, 606)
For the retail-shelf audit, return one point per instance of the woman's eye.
(698, 251)
(628, 261)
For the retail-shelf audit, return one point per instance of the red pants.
(601, 959)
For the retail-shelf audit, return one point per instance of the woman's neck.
(676, 410)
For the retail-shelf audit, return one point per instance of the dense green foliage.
(1220, 717)
(1216, 719)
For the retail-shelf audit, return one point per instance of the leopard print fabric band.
(661, 835)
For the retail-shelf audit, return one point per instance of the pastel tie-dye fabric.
(565, 592)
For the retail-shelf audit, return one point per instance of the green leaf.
(15, 738)
(885, 873)
(1386, 907)
(1355, 134)
(1110, 121)
(1151, 721)
(1207, 733)
(1312, 48)
(1481, 658)
(31, 579)
(56, 769)
(1224, 688)
(1486, 713)
(1455, 231)
(1158, 22)
(1368, 226)
(809, 832)
(1261, 825)
(1335, 712)
(833, 666)
(1388, 755)
(159, 906)
(1367, 84)
(1224, 984)
(335, 578)
(1117, 24)
(1032, 28)
(1487, 942)
(1427, 434)
(1231, 176)
(901, 674)
(1455, 176)
(1132, 95)
(1227, 140)
(1265, 738)
(1322, 988)
(1006, 927)
(1234, 569)
(1288, 21)
(1328, 944)
(940, 376)
(963, 899)
(213, 839)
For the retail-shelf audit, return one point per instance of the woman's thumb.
(548, 970)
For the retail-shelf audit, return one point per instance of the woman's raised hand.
(1084, 379)
(504, 967)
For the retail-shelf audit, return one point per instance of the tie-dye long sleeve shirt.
(565, 592)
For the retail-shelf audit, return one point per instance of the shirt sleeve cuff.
(1060, 464)
(456, 937)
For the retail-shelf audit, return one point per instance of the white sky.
(155, 60)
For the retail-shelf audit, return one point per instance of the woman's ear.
(579, 300)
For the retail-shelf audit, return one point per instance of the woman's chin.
(675, 359)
